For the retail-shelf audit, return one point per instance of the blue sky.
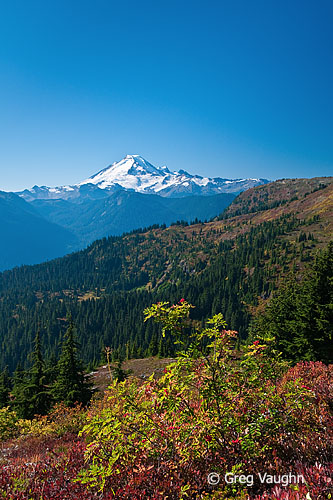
(219, 88)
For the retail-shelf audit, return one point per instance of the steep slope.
(229, 265)
(305, 198)
(277, 194)
(27, 238)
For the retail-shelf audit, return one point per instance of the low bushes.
(211, 427)
(214, 410)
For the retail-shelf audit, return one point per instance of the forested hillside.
(279, 193)
(229, 265)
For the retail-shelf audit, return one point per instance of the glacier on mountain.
(134, 173)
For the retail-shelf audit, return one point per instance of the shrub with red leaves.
(209, 413)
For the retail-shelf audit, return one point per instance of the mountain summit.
(134, 173)
(137, 174)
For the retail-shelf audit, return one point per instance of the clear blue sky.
(219, 88)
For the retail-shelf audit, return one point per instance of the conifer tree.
(19, 375)
(20, 401)
(300, 314)
(71, 385)
(51, 369)
(5, 386)
(31, 394)
(119, 374)
(153, 346)
(40, 392)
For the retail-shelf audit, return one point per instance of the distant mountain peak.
(135, 173)
(131, 172)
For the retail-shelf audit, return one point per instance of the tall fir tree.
(71, 385)
(300, 314)
(5, 387)
(31, 394)
(20, 402)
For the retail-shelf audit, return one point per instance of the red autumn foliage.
(210, 412)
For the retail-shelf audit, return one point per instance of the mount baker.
(134, 173)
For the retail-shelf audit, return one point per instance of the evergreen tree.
(40, 392)
(5, 387)
(119, 374)
(51, 369)
(322, 300)
(19, 375)
(20, 402)
(71, 385)
(31, 394)
(300, 314)
(153, 346)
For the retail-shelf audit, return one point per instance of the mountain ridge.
(134, 173)
(316, 207)
(22, 227)
(124, 211)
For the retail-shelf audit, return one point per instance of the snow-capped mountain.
(134, 173)
(137, 174)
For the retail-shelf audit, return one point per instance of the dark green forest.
(106, 287)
